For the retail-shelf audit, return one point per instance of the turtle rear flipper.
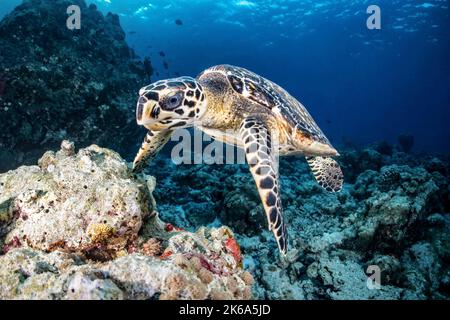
(327, 172)
(257, 143)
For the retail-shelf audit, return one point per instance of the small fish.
(132, 32)
(178, 22)
(177, 74)
(162, 54)
(166, 65)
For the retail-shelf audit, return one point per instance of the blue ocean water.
(360, 85)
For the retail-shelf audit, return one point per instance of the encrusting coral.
(83, 226)
(381, 217)
(90, 227)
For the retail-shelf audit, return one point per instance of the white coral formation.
(72, 201)
(82, 226)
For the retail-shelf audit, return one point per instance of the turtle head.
(172, 103)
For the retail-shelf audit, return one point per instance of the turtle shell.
(270, 95)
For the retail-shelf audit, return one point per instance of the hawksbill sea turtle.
(239, 107)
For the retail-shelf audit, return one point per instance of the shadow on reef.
(59, 83)
(393, 213)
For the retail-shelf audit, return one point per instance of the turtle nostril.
(155, 112)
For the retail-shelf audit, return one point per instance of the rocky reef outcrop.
(393, 213)
(57, 83)
(80, 225)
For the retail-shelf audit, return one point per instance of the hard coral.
(100, 232)
(75, 201)
(152, 247)
(389, 203)
(49, 66)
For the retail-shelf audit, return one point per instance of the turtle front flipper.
(153, 142)
(327, 172)
(256, 139)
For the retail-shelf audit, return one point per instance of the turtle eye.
(174, 101)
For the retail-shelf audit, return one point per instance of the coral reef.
(57, 83)
(80, 225)
(392, 213)
(74, 201)
(406, 142)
